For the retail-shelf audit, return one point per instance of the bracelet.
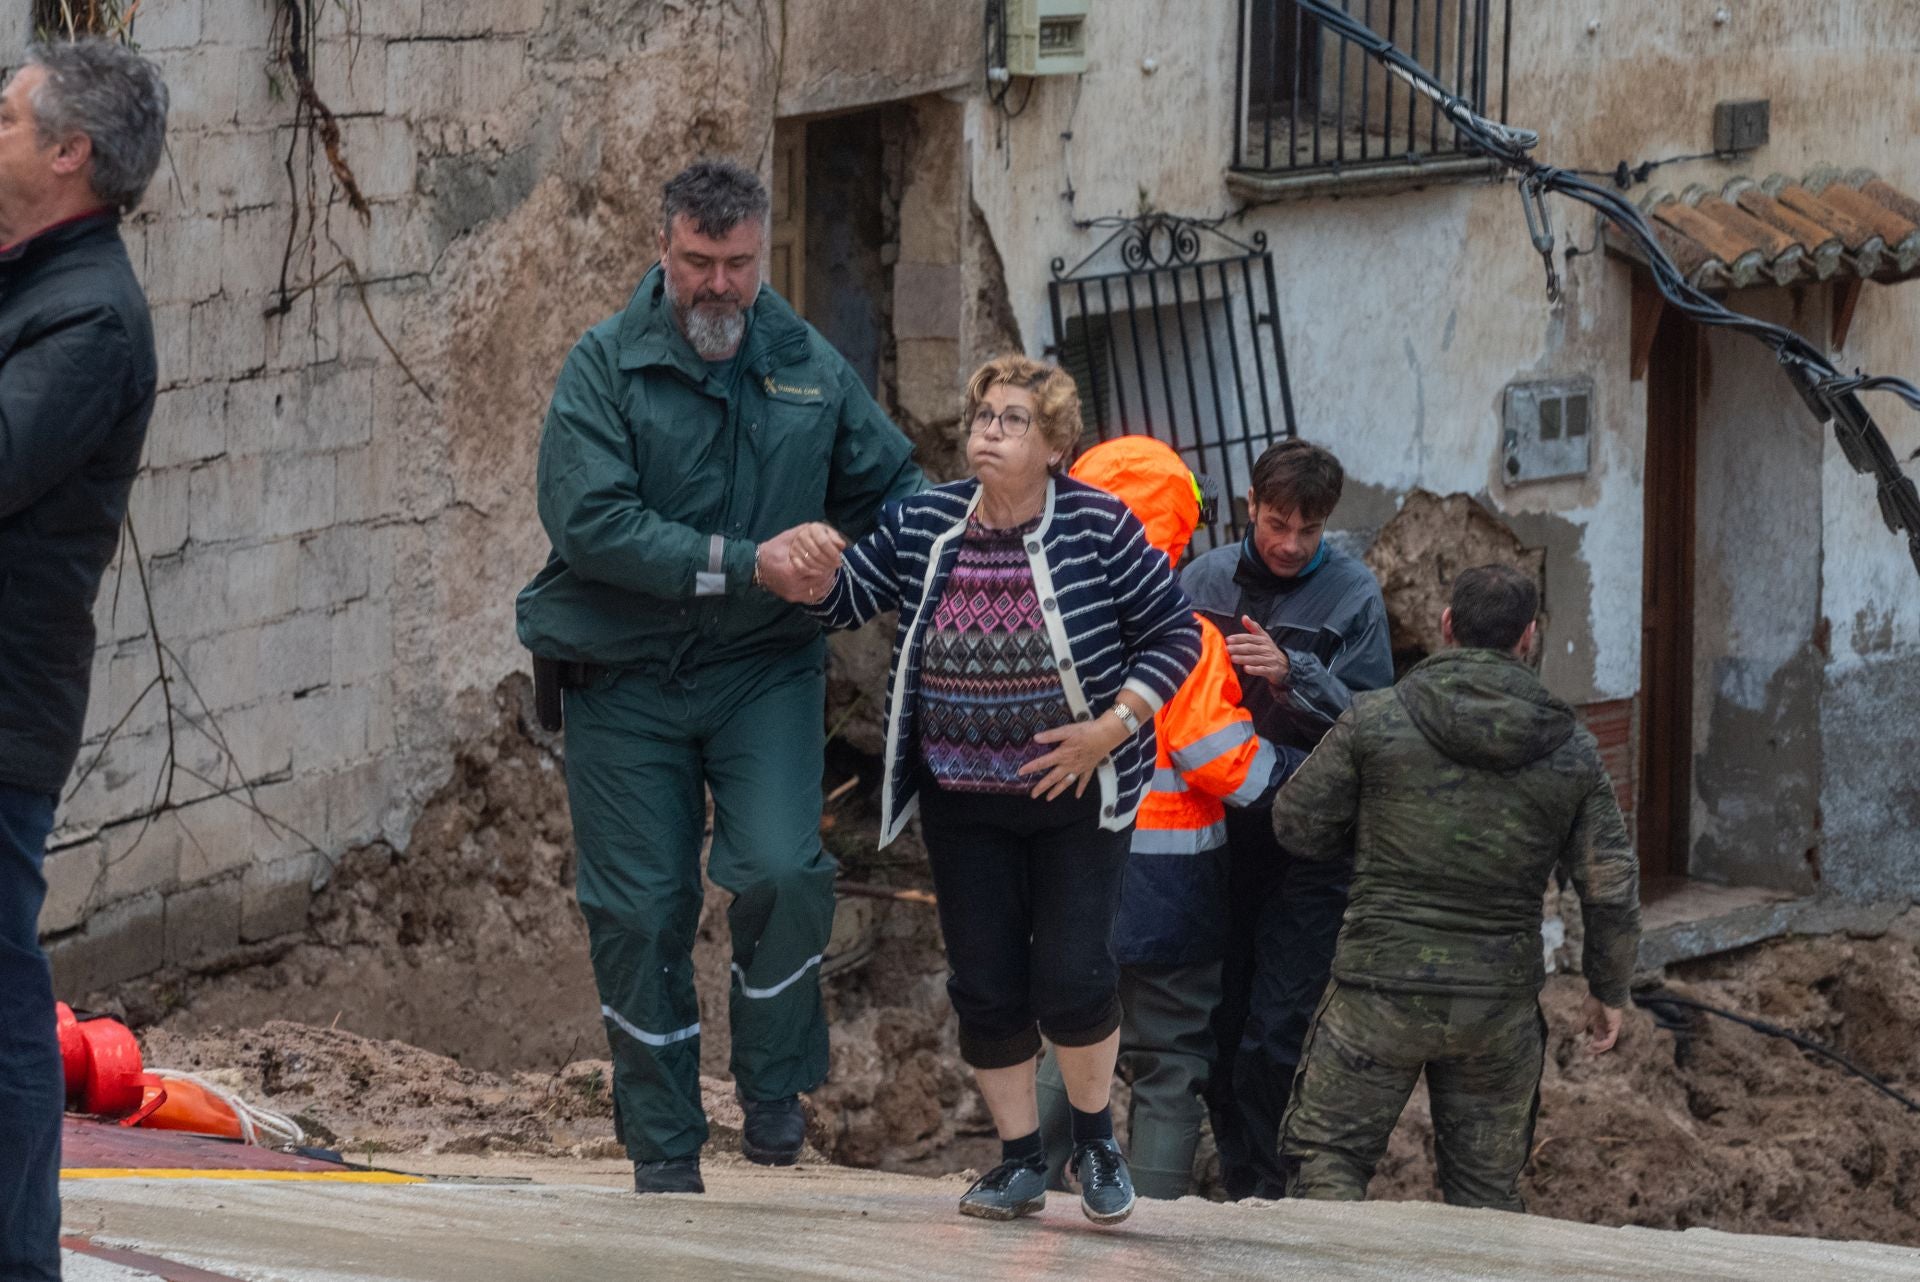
(1127, 716)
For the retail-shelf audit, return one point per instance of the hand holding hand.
(1257, 654)
(799, 564)
(1603, 1025)
(1082, 746)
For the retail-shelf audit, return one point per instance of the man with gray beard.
(685, 434)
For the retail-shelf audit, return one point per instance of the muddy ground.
(469, 945)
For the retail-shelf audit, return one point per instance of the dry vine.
(315, 125)
(72, 19)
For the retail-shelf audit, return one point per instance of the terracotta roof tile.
(1783, 231)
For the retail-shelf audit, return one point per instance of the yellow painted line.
(172, 1173)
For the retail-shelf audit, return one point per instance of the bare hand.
(1257, 654)
(1603, 1025)
(799, 564)
(1083, 745)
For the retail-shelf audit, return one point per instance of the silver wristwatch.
(1127, 717)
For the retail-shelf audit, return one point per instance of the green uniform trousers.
(641, 753)
(1364, 1052)
(1167, 1046)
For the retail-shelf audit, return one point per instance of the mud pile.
(1721, 1126)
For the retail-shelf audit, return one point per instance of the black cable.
(1831, 397)
(994, 34)
(1659, 998)
(1627, 176)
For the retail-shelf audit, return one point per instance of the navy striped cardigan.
(1113, 610)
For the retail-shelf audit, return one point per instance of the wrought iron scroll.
(1172, 329)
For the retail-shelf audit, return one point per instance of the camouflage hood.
(1484, 709)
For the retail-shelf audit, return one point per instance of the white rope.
(278, 1130)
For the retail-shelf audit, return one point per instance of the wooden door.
(1666, 629)
(787, 234)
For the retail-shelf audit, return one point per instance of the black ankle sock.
(1088, 1127)
(1027, 1149)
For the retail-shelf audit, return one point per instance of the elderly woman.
(1038, 634)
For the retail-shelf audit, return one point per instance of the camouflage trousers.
(1366, 1049)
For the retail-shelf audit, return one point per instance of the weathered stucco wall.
(1406, 315)
(1757, 577)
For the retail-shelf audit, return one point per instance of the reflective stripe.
(1179, 841)
(1259, 775)
(712, 581)
(1166, 779)
(1207, 747)
(650, 1039)
(777, 989)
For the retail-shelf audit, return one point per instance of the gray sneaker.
(1106, 1187)
(1007, 1192)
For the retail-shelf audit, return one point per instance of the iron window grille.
(1169, 340)
(1310, 102)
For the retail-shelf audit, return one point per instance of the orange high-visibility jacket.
(1208, 751)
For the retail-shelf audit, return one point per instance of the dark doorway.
(846, 282)
(1667, 604)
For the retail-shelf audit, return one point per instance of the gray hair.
(115, 97)
(717, 195)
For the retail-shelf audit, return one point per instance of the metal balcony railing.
(1310, 102)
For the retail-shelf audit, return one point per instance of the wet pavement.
(827, 1222)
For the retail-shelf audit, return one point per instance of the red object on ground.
(73, 1052)
(110, 1085)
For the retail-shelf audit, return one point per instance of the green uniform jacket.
(658, 477)
(1458, 791)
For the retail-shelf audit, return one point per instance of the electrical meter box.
(1046, 37)
(1547, 430)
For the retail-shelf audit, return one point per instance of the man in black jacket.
(81, 131)
(1306, 627)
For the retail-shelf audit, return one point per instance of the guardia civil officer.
(685, 432)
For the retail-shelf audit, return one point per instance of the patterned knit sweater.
(988, 678)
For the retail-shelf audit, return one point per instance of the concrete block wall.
(276, 503)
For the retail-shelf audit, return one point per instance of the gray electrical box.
(1547, 430)
(1046, 37)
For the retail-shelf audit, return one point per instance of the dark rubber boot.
(674, 1175)
(774, 1131)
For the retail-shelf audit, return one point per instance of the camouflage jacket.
(1457, 792)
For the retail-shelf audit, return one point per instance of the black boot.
(774, 1130)
(674, 1175)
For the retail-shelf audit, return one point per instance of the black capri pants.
(1028, 892)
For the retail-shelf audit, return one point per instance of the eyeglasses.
(1014, 421)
